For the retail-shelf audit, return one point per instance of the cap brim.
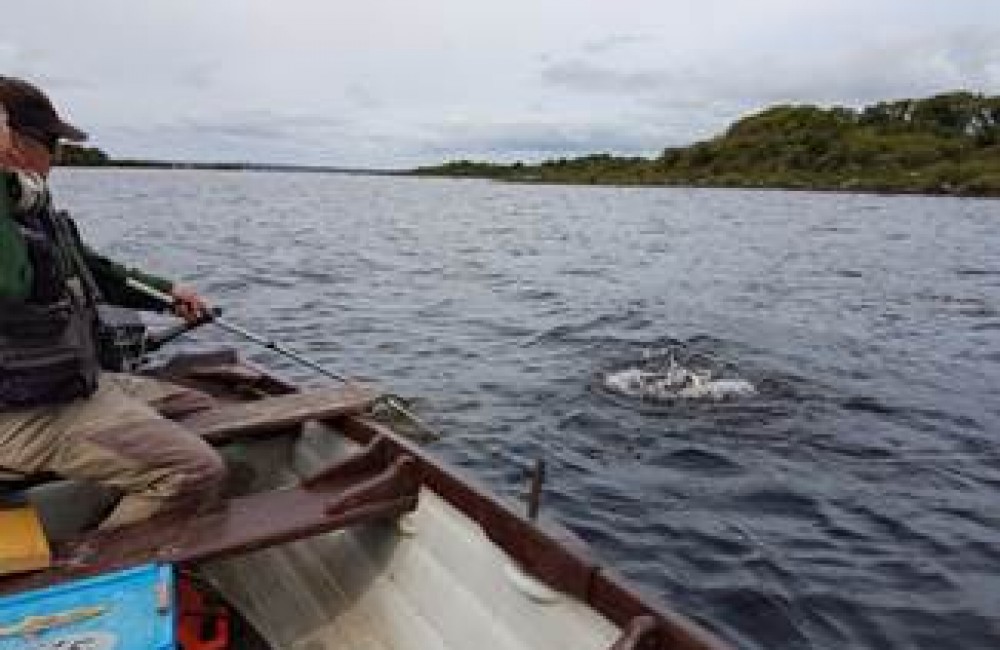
(69, 132)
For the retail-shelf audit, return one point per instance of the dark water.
(853, 502)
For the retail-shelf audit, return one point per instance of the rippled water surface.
(851, 502)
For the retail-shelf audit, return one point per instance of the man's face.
(20, 151)
(26, 154)
(5, 136)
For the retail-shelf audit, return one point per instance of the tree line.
(72, 155)
(945, 144)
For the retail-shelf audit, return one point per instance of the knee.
(183, 403)
(204, 474)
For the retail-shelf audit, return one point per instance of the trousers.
(120, 437)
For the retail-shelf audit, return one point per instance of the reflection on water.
(850, 501)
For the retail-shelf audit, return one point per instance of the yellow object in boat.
(23, 546)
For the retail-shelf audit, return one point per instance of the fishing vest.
(48, 350)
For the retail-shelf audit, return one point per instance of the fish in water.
(676, 382)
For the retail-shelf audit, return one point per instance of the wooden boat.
(342, 534)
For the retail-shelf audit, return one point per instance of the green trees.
(73, 155)
(947, 143)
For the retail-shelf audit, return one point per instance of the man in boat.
(59, 412)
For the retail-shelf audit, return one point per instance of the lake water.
(852, 501)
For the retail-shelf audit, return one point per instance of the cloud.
(967, 58)
(252, 125)
(693, 98)
(962, 58)
(34, 63)
(254, 79)
(615, 42)
(262, 136)
(199, 77)
(582, 76)
(361, 97)
(536, 139)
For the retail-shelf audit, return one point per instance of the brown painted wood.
(400, 478)
(241, 525)
(181, 364)
(221, 373)
(227, 374)
(374, 455)
(228, 422)
(621, 602)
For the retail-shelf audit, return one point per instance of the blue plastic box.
(127, 610)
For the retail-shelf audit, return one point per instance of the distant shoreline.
(945, 145)
(266, 168)
(111, 163)
(820, 189)
(748, 188)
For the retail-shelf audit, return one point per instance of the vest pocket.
(46, 354)
(34, 324)
(53, 378)
(49, 275)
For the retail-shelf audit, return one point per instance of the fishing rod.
(214, 316)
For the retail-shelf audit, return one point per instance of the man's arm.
(112, 279)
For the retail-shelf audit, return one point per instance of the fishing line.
(214, 316)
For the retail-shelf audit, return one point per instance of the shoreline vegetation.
(948, 144)
(71, 155)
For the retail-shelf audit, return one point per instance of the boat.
(339, 532)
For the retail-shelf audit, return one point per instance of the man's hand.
(188, 304)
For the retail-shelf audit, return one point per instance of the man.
(59, 413)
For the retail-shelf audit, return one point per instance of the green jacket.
(16, 274)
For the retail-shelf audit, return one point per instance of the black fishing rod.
(214, 316)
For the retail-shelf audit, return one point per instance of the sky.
(400, 83)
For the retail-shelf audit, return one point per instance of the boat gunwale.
(544, 549)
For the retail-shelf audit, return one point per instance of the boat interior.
(340, 533)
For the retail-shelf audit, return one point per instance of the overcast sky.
(394, 83)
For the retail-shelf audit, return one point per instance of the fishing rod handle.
(164, 298)
(158, 340)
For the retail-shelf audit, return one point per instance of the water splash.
(663, 382)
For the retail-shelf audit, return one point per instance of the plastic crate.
(127, 610)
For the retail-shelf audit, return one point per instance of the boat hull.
(432, 580)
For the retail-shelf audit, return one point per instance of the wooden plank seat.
(228, 422)
(374, 483)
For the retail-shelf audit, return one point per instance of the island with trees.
(945, 144)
